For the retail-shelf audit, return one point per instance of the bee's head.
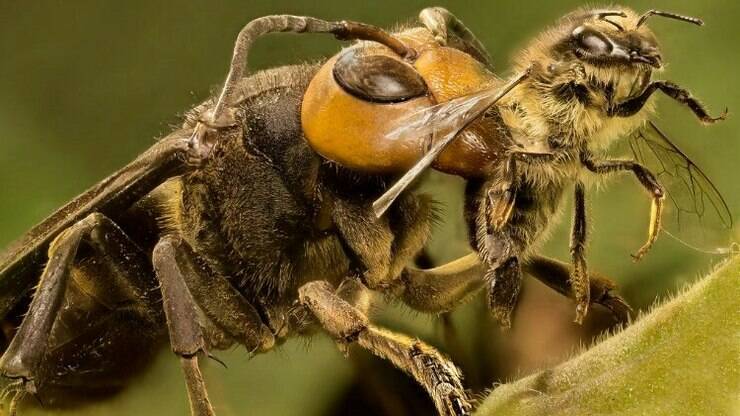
(612, 38)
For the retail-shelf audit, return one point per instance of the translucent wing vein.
(697, 214)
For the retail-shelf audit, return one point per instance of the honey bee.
(584, 83)
(284, 201)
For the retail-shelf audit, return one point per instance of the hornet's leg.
(442, 288)
(368, 242)
(126, 281)
(348, 324)
(442, 24)
(220, 301)
(186, 336)
(116, 193)
(380, 248)
(410, 220)
(188, 285)
(648, 181)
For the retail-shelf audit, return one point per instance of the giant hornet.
(282, 200)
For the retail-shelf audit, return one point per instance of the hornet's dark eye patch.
(378, 78)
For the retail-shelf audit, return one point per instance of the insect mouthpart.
(651, 58)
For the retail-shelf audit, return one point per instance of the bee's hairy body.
(564, 110)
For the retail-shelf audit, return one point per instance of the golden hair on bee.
(572, 90)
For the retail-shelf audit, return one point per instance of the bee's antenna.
(604, 14)
(613, 23)
(675, 16)
(600, 14)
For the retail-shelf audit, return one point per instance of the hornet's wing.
(21, 262)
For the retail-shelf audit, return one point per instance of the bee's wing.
(21, 262)
(696, 214)
(442, 122)
(445, 118)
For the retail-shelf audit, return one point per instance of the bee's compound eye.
(596, 45)
(591, 41)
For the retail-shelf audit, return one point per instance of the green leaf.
(682, 358)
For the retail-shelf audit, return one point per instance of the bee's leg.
(557, 275)
(442, 24)
(500, 205)
(633, 105)
(347, 324)
(501, 196)
(579, 278)
(25, 357)
(500, 253)
(443, 288)
(497, 247)
(505, 284)
(648, 181)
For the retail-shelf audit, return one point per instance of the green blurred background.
(87, 85)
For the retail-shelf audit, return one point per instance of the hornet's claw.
(619, 308)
